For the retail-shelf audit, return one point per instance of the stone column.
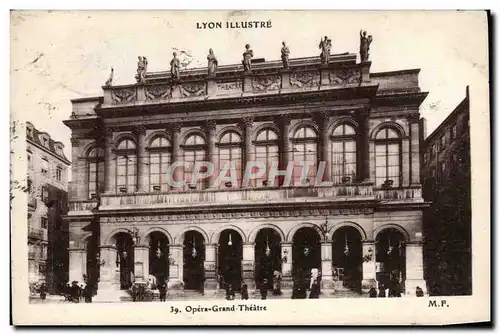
(323, 120)
(248, 265)
(77, 264)
(78, 188)
(249, 148)
(210, 128)
(142, 159)
(175, 267)
(286, 265)
(176, 152)
(109, 162)
(369, 269)
(414, 268)
(141, 262)
(406, 162)
(210, 266)
(364, 146)
(415, 150)
(326, 265)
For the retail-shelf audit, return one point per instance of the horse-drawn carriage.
(145, 290)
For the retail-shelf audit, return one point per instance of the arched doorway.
(267, 255)
(158, 256)
(229, 260)
(390, 257)
(347, 252)
(306, 254)
(125, 259)
(194, 257)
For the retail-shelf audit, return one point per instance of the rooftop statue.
(212, 63)
(325, 45)
(364, 45)
(142, 68)
(109, 81)
(175, 67)
(285, 54)
(247, 59)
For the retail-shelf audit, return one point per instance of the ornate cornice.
(138, 219)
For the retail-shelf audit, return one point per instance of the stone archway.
(158, 257)
(267, 255)
(390, 257)
(230, 256)
(124, 258)
(347, 256)
(306, 254)
(193, 260)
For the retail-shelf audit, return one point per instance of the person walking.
(263, 289)
(244, 291)
(372, 293)
(314, 294)
(43, 292)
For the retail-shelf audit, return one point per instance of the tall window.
(387, 157)
(194, 151)
(442, 142)
(43, 222)
(126, 166)
(343, 151)
(230, 151)
(59, 171)
(305, 152)
(453, 132)
(95, 168)
(30, 161)
(45, 166)
(266, 151)
(159, 160)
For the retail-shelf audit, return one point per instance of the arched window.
(266, 151)
(388, 157)
(194, 151)
(160, 157)
(230, 151)
(95, 170)
(305, 153)
(343, 151)
(126, 166)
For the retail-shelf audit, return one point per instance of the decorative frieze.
(123, 95)
(193, 89)
(236, 215)
(158, 92)
(305, 80)
(346, 76)
(267, 83)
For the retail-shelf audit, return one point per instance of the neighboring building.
(124, 218)
(47, 202)
(447, 184)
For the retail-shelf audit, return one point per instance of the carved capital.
(108, 131)
(413, 117)
(210, 125)
(175, 127)
(285, 119)
(247, 121)
(140, 130)
(74, 141)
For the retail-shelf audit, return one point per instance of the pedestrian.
(43, 292)
(381, 291)
(162, 287)
(263, 289)
(372, 293)
(277, 282)
(203, 278)
(244, 291)
(229, 292)
(314, 294)
(419, 292)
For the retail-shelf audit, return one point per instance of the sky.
(61, 55)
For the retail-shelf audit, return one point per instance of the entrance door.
(230, 257)
(194, 257)
(346, 254)
(125, 258)
(267, 256)
(306, 255)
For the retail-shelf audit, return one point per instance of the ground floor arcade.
(352, 249)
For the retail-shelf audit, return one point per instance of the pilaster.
(142, 171)
(414, 268)
(369, 269)
(248, 265)
(210, 266)
(326, 265)
(109, 161)
(175, 267)
(286, 265)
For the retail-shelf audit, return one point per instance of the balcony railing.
(37, 234)
(403, 193)
(239, 196)
(82, 206)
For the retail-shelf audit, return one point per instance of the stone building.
(366, 226)
(47, 184)
(446, 183)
